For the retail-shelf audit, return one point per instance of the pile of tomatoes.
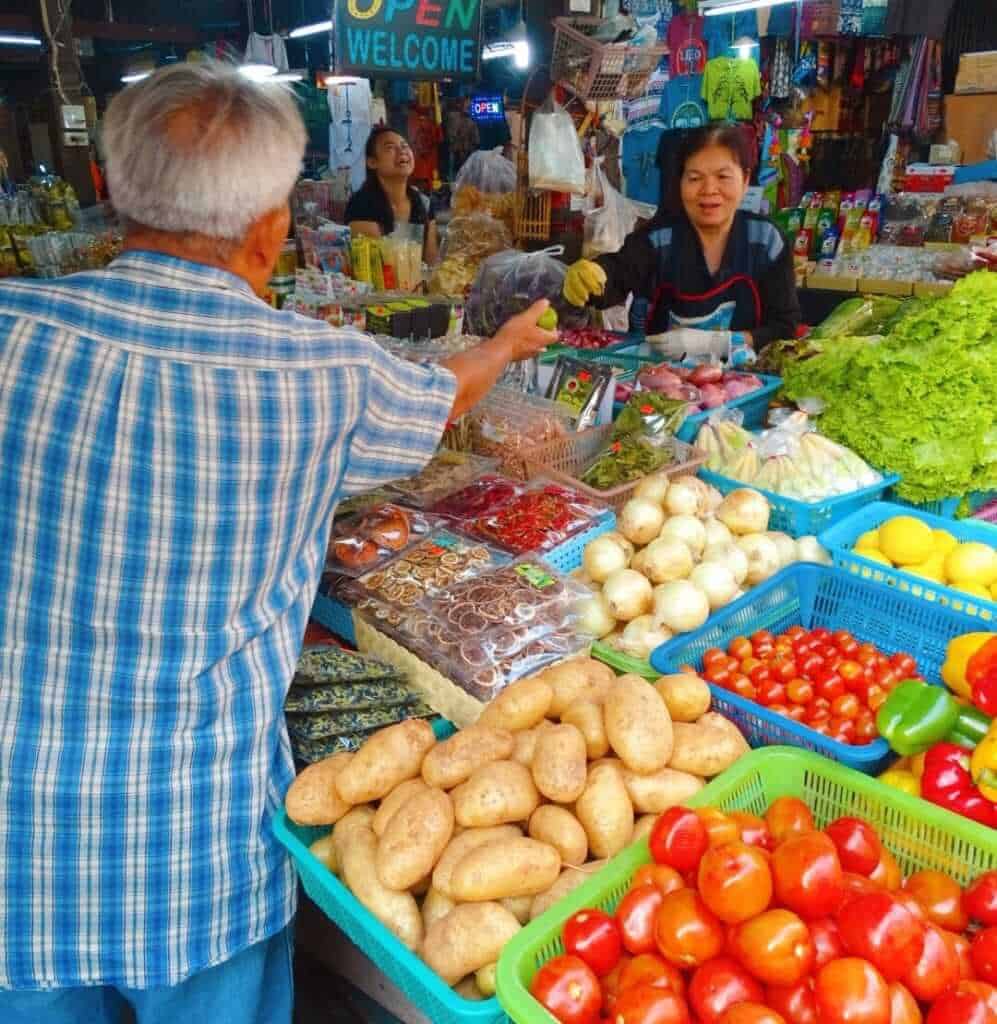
(739, 919)
(828, 681)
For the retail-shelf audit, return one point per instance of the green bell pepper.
(917, 715)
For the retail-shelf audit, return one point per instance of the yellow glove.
(583, 280)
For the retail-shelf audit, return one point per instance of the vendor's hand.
(583, 280)
(522, 335)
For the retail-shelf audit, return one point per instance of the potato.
(388, 758)
(567, 881)
(562, 830)
(685, 695)
(484, 978)
(525, 743)
(324, 850)
(605, 811)
(519, 907)
(422, 886)
(638, 725)
(454, 760)
(313, 798)
(586, 717)
(643, 827)
(397, 911)
(416, 836)
(357, 817)
(470, 937)
(400, 795)
(723, 723)
(575, 680)
(468, 989)
(435, 906)
(614, 762)
(705, 750)
(519, 706)
(505, 869)
(652, 794)
(462, 844)
(500, 792)
(559, 764)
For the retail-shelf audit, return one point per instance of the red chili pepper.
(981, 675)
(947, 782)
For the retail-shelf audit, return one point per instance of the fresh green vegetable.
(548, 319)
(864, 315)
(650, 413)
(917, 715)
(919, 402)
(626, 458)
(623, 663)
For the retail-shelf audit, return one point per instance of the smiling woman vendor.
(717, 280)
(386, 198)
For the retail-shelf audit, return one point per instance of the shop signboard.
(420, 39)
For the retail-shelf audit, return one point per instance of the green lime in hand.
(548, 319)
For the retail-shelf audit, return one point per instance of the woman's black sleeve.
(780, 303)
(632, 269)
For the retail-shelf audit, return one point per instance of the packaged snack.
(507, 423)
(624, 459)
(374, 536)
(477, 498)
(447, 473)
(580, 387)
(651, 414)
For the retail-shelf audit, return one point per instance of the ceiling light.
(287, 76)
(310, 30)
(9, 40)
(257, 72)
(710, 8)
(135, 76)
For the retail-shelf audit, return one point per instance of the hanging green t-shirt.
(730, 86)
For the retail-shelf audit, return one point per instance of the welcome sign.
(422, 39)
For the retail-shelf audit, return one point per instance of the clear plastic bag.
(505, 423)
(607, 227)
(483, 495)
(555, 154)
(374, 537)
(469, 240)
(446, 474)
(487, 171)
(509, 282)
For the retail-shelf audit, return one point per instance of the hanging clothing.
(918, 17)
(424, 136)
(730, 87)
(349, 127)
(722, 30)
(687, 50)
(640, 166)
(782, 21)
(780, 76)
(682, 104)
(266, 50)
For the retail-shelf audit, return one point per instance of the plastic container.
(919, 834)
(811, 596)
(947, 508)
(567, 557)
(803, 518)
(840, 538)
(561, 460)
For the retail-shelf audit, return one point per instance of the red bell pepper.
(981, 675)
(947, 782)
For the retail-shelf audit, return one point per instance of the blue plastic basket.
(840, 538)
(334, 616)
(567, 557)
(816, 596)
(753, 408)
(947, 508)
(625, 342)
(802, 518)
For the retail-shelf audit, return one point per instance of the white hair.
(200, 148)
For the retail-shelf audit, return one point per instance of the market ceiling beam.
(116, 31)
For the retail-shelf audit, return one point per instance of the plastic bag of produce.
(555, 154)
(469, 241)
(511, 281)
(487, 171)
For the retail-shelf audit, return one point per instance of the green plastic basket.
(919, 834)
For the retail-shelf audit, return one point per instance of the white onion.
(594, 618)
(682, 498)
(641, 636)
(763, 557)
(731, 556)
(627, 594)
(680, 606)
(717, 533)
(744, 511)
(716, 581)
(618, 538)
(687, 529)
(714, 499)
(602, 557)
(640, 520)
(664, 560)
(654, 488)
(810, 549)
(786, 546)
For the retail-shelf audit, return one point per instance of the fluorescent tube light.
(310, 30)
(10, 40)
(737, 6)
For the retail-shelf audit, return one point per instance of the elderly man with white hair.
(172, 453)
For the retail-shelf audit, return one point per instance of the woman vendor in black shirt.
(717, 281)
(386, 198)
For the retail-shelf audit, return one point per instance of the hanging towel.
(266, 50)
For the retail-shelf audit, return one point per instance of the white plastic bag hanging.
(607, 227)
(488, 171)
(555, 154)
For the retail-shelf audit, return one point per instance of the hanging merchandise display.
(687, 49)
(682, 103)
(730, 87)
(349, 126)
(269, 49)
(722, 30)
(640, 162)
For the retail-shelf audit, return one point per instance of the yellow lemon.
(972, 562)
(873, 555)
(993, 592)
(944, 541)
(906, 540)
(975, 589)
(932, 568)
(869, 539)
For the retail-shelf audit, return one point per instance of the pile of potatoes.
(454, 845)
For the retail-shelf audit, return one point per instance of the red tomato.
(846, 706)
(876, 927)
(831, 688)
(719, 984)
(735, 881)
(810, 665)
(748, 665)
(941, 898)
(687, 933)
(842, 729)
(743, 687)
(905, 665)
(887, 871)
(795, 1002)
(759, 675)
(815, 713)
(761, 636)
(986, 992)
(713, 655)
(875, 697)
(827, 941)
(754, 831)
(784, 669)
(887, 676)
(665, 878)
(594, 937)
(679, 839)
(718, 675)
(797, 712)
(911, 904)
(851, 991)
(771, 693)
(788, 816)
(751, 1013)
(611, 984)
(859, 848)
(800, 691)
(936, 970)
(778, 709)
(865, 727)
(635, 917)
(844, 641)
(794, 632)
(980, 899)
(960, 1006)
(719, 827)
(775, 947)
(903, 1006)
(849, 671)
(740, 648)
(867, 654)
(807, 875)
(983, 954)
(648, 1004)
(858, 884)
(961, 945)
(651, 969)
(567, 988)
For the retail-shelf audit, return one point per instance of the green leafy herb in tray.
(652, 414)
(624, 459)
